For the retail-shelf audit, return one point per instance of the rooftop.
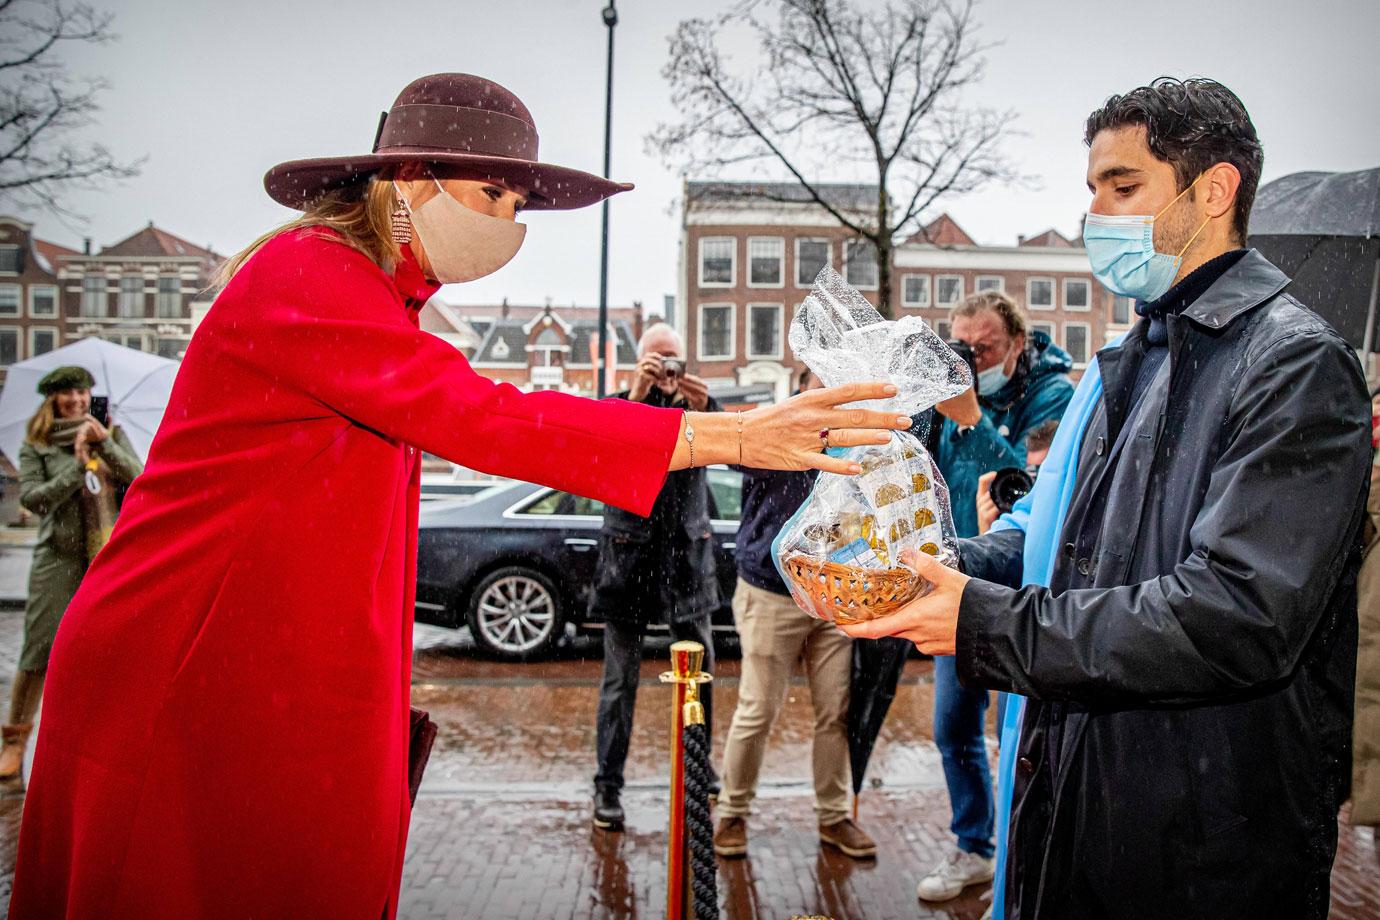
(153, 241)
(839, 194)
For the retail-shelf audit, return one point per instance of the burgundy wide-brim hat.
(454, 119)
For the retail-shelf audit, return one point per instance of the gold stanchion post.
(685, 676)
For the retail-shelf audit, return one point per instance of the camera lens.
(1009, 486)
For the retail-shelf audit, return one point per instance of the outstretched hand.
(787, 436)
(931, 622)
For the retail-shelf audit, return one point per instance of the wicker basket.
(851, 594)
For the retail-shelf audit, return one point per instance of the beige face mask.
(460, 243)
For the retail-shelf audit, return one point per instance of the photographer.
(1037, 442)
(1022, 382)
(659, 568)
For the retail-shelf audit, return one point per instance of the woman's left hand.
(95, 431)
(931, 622)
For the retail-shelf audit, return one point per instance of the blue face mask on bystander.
(1121, 248)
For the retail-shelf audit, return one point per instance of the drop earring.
(402, 224)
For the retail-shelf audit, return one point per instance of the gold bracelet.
(690, 439)
(740, 436)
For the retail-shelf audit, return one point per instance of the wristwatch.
(690, 439)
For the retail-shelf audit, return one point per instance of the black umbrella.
(1323, 230)
(877, 666)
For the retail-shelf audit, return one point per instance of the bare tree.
(43, 107)
(836, 86)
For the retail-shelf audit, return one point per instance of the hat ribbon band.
(454, 128)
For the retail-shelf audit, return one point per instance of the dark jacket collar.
(1252, 281)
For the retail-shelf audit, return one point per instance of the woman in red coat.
(225, 726)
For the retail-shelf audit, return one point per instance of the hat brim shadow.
(296, 183)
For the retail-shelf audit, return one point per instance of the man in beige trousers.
(774, 634)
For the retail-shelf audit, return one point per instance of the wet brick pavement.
(501, 829)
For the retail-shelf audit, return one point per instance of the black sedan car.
(516, 562)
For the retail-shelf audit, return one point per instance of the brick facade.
(31, 320)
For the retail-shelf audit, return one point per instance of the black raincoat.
(1190, 669)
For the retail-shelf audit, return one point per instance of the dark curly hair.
(1191, 125)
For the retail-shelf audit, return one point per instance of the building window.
(915, 291)
(1077, 294)
(168, 302)
(861, 257)
(132, 296)
(944, 329)
(93, 295)
(137, 342)
(172, 348)
(716, 332)
(1121, 311)
(990, 283)
(9, 346)
(766, 261)
(1046, 328)
(10, 299)
(949, 288)
(1039, 294)
(42, 339)
(43, 301)
(9, 260)
(811, 257)
(717, 255)
(764, 330)
(1076, 343)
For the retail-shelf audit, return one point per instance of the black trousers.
(618, 692)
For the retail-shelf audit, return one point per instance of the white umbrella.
(136, 383)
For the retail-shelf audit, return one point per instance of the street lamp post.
(610, 19)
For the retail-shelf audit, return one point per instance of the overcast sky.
(213, 93)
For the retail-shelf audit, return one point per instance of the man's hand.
(695, 391)
(987, 511)
(963, 408)
(931, 622)
(649, 371)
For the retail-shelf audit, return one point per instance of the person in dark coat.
(657, 569)
(1190, 667)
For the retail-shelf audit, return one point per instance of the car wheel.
(514, 613)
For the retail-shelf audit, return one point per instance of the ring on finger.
(824, 438)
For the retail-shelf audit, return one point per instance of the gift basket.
(840, 553)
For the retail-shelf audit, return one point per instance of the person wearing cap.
(71, 467)
(225, 731)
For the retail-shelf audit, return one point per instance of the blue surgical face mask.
(1121, 249)
(992, 379)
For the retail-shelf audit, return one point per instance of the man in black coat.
(657, 569)
(1190, 667)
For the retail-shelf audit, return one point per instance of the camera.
(1009, 486)
(964, 351)
(100, 409)
(672, 368)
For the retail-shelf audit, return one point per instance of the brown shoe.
(850, 839)
(12, 754)
(730, 837)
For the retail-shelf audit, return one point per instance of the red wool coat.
(224, 727)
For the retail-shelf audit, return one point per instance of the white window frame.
(1048, 328)
(57, 306)
(18, 258)
(779, 354)
(781, 240)
(944, 328)
(1000, 279)
(18, 342)
(103, 305)
(57, 338)
(929, 290)
(141, 294)
(159, 294)
(1130, 312)
(864, 241)
(732, 264)
(1087, 301)
(828, 257)
(959, 297)
(1087, 339)
(1053, 294)
(18, 290)
(732, 332)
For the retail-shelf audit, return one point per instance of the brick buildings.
(31, 316)
(750, 253)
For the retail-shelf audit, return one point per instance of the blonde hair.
(40, 429)
(362, 213)
(1008, 311)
